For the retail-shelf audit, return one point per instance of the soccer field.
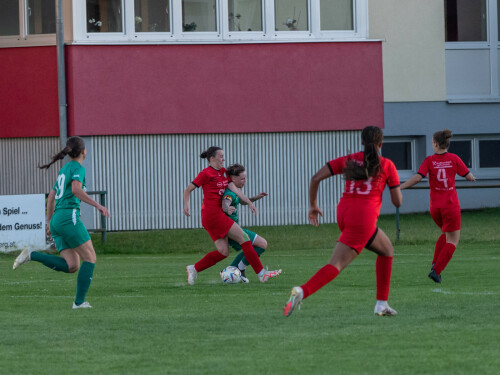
(147, 320)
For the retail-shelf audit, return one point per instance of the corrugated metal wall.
(145, 176)
(19, 160)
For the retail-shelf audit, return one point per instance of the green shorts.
(67, 230)
(236, 246)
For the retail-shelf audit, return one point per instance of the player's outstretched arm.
(470, 177)
(314, 210)
(76, 189)
(187, 194)
(242, 196)
(412, 181)
(51, 204)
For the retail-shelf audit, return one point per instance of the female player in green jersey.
(63, 222)
(230, 203)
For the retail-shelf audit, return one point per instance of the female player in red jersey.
(366, 174)
(219, 226)
(445, 207)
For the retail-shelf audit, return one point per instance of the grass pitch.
(146, 320)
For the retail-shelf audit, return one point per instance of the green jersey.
(64, 194)
(235, 202)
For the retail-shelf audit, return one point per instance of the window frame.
(481, 173)
(23, 39)
(222, 35)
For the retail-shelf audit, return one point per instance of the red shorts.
(357, 225)
(216, 223)
(448, 218)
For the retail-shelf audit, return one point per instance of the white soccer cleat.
(192, 274)
(84, 305)
(244, 278)
(383, 309)
(22, 258)
(296, 297)
(269, 275)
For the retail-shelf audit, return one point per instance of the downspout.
(61, 74)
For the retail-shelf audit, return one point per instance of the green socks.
(54, 262)
(241, 257)
(83, 281)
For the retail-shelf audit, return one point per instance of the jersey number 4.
(441, 176)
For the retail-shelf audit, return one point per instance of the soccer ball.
(230, 275)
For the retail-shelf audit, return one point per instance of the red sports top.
(368, 192)
(442, 169)
(214, 182)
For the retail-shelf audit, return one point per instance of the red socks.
(320, 279)
(444, 257)
(209, 260)
(252, 256)
(439, 246)
(383, 269)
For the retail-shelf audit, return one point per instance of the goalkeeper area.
(146, 319)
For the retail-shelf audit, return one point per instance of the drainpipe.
(61, 74)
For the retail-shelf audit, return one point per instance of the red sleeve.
(226, 175)
(462, 169)
(424, 168)
(337, 165)
(392, 173)
(201, 179)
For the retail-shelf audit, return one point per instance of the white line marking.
(487, 293)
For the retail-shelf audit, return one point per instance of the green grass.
(147, 320)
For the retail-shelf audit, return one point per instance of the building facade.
(282, 85)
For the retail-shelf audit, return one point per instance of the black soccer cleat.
(435, 277)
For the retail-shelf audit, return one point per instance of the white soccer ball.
(230, 275)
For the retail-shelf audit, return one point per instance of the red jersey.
(369, 191)
(442, 169)
(214, 182)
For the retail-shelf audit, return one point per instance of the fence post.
(103, 218)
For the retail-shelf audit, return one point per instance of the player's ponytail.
(442, 138)
(210, 152)
(371, 138)
(235, 170)
(74, 147)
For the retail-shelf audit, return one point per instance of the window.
(291, 15)
(104, 16)
(466, 20)
(489, 153)
(336, 15)
(464, 150)
(152, 16)
(9, 17)
(400, 152)
(41, 17)
(245, 15)
(222, 21)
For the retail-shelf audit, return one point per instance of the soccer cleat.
(22, 258)
(84, 305)
(192, 274)
(296, 296)
(434, 276)
(268, 275)
(384, 310)
(244, 277)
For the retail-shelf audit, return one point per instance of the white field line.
(486, 293)
(113, 296)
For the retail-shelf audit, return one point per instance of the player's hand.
(47, 230)
(313, 215)
(103, 210)
(253, 208)
(261, 195)
(186, 211)
(230, 210)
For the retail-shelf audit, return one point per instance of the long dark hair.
(371, 137)
(235, 169)
(74, 147)
(442, 138)
(210, 152)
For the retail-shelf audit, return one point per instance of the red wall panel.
(28, 92)
(143, 89)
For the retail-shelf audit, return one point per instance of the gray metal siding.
(19, 160)
(145, 175)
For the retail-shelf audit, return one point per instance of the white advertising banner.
(22, 222)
